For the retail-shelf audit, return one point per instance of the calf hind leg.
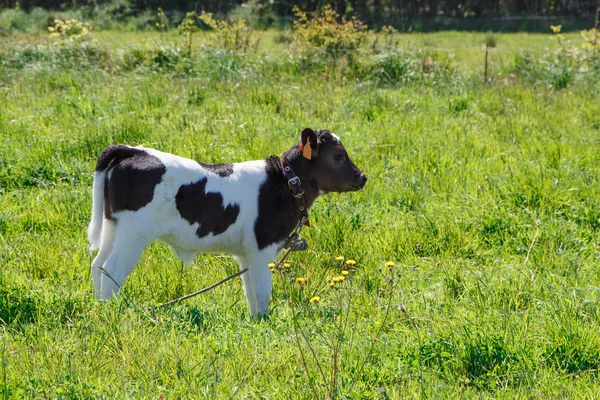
(106, 246)
(124, 257)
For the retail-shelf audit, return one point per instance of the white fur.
(121, 244)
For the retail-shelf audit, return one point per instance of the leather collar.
(295, 186)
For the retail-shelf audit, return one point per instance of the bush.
(329, 34)
(70, 29)
(159, 58)
(561, 76)
(66, 56)
(12, 21)
(389, 67)
(527, 66)
(234, 35)
(392, 67)
(18, 58)
(563, 67)
(86, 54)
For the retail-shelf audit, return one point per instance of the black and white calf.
(245, 209)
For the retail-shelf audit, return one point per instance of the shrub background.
(407, 15)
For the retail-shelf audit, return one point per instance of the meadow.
(485, 197)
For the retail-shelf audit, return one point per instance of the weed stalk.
(4, 362)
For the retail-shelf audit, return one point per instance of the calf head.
(328, 162)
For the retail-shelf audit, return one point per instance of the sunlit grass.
(482, 204)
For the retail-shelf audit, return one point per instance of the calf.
(245, 209)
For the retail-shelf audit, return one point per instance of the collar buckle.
(295, 184)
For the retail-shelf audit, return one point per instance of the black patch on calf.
(223, 170)
(132, 176)
(278, 211)
(195, 205)
(114, 154)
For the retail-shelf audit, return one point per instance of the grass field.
(486, 197)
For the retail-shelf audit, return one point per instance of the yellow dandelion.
(286, 265)
(555, 28)
(350, 262)
(315, 299)
(302, 281)
(271, 265)
(390, 264)
(345, 273)
(331, 284)
(339, 258)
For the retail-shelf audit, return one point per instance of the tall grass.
(486, 198)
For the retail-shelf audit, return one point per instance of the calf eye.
(339, 157)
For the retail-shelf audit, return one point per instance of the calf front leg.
(258, 281)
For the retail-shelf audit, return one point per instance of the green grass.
(487, 198)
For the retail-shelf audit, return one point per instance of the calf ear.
(309, 145)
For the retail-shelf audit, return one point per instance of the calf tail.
(109, 157)
(95, 227)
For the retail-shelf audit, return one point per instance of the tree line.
(373, 12)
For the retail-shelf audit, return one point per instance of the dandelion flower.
(345, 273)
(315, 299)
(271, 265)
(390, 264)
(331, 284)
(350, 262)
(339, 258)
(302, 281)
(286, 265)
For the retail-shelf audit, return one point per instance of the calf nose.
(362, 178)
